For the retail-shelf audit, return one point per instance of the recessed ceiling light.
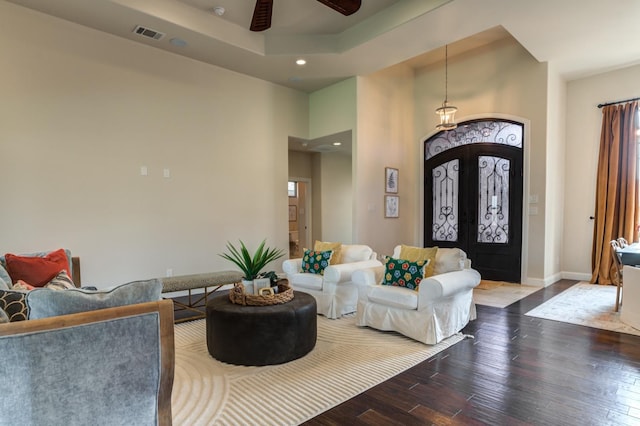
(300, 62)
(218, 10)
(337, 143)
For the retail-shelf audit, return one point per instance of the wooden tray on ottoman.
(238, 296)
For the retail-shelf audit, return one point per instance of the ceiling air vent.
(148, 32)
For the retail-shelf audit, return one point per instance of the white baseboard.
(580, 276)
(546, 282)
(536, 282)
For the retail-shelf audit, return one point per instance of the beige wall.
(396, 112)
(337, 197)
(82, 111)
(555, 183)
(386, 139)
(300, 164)
(584, 120)
(501, 80)
(333, 110)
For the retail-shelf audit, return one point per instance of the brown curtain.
(616, 212)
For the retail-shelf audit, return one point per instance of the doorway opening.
(473, 194)
(299, 216)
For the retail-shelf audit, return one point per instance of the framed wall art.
(293, 213)
(391, 204)
(391, 180)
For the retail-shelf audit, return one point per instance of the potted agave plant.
(252, 265)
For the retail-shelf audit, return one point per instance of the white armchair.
(334, 291)
(441, 307)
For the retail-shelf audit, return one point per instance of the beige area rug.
(586, 304)
(500, 294)
(346, 361)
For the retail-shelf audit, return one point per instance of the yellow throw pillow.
(416, 254)
(335, 247)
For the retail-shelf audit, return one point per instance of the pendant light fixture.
(446, 112)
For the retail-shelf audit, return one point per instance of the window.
(292, 188)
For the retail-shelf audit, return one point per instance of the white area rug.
(586, 304)
(346, 361)
(503, 295)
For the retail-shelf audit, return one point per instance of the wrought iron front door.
(473, 200)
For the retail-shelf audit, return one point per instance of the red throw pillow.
(37, 271)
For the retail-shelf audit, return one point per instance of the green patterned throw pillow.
(314, 262)
(403, 273)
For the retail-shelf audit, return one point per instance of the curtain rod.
(617, 102)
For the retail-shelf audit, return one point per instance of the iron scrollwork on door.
(500, 132)
(445, 201)
(493, 199)
(493, 188)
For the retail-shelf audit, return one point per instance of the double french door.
(473, 195)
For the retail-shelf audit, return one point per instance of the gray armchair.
(110, 366)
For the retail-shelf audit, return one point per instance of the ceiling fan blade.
(346, 7)
(262, 15)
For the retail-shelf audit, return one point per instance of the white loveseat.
(441, 307)
(334, 291)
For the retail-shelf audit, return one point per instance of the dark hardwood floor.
(518, 370)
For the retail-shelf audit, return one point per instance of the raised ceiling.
(578, 38)
(294, 17)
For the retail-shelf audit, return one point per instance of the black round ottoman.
(261, 335)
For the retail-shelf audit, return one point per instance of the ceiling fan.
(264, 8)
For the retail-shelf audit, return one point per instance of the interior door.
(473, 200)
(299, 217)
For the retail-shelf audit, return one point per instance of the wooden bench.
(197, 281)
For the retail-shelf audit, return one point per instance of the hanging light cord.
(446, 111)
(446, 72)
